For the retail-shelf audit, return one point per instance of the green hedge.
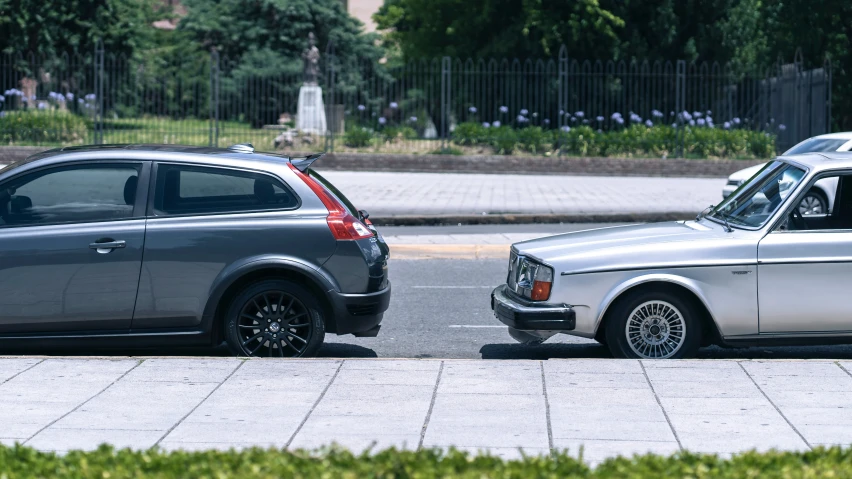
(106, 463)
(37, 127)
(636, 140)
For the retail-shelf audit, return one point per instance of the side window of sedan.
(183, 189)
(825, 206)
(75, 194)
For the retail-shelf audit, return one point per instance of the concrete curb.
(502, 219)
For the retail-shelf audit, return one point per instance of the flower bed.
(637, 140)
(36, 127)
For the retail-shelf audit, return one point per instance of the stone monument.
(310, 117)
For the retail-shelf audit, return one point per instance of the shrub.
(533, 139)
(394, 133)
(470, 133)
(504, 140)
(760, 144)
(36, 127)
(25, 463)
(582, 141)
(447, 151)
(357, 137)
(640, 140)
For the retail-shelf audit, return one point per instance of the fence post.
(99, 93)
(331, 122)
(562, 93)
(446, 94)
(827, 70)
(214, 98)
(680, 104)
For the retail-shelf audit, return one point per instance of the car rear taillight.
(542, 282)
(342, 224)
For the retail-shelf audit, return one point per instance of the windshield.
(813, 145)
(756, 201)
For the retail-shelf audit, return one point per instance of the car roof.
(841, 135)
(822, 161)
(200, 154)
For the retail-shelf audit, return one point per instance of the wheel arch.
(234, 279)
(673, 283)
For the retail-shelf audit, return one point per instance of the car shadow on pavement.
(543, 351)
(577, 351)
(344, 350)
(328, 350)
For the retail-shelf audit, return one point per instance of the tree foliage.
(48, 28)
(470, 28)
(277, 29)
(749, 35)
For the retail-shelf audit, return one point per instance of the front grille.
(363, 309)
(734, 182)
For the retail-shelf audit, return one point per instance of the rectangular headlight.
(534, 280)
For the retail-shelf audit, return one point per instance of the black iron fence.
(545, 106)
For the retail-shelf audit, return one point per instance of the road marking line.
(477, 326)
(452, 287)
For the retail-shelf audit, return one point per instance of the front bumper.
(526, 315)
(359, 314)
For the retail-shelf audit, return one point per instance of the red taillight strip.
(340, 221)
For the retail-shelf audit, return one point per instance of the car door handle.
(107, 245)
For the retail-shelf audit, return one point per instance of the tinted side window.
(190, 189)
(78, 194)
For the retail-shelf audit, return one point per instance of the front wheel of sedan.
(274, 318)
(653, 325)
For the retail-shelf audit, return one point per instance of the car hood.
(655, 245)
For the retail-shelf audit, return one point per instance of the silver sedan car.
(753, 270)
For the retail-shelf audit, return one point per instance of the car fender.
(619, 289)
(236, 270)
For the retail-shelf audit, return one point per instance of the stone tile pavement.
(385, 194)
(607, 407)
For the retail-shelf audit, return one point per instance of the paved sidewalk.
(412, 194)
(609, 407)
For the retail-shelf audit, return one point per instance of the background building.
(363, 10)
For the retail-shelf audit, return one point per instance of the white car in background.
(820, 199)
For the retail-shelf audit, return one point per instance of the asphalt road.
(440, 309)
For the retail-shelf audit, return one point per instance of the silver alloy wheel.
(655, 330)
(812, 205)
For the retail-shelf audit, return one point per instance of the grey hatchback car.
(158, 245)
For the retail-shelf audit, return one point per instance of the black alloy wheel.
(275, 319)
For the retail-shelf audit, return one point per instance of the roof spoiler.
(303, 164)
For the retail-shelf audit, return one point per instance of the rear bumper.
(360, 314)
(524, 315)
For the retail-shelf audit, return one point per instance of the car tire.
(274, 318)
(651, 324)
(814, 202)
